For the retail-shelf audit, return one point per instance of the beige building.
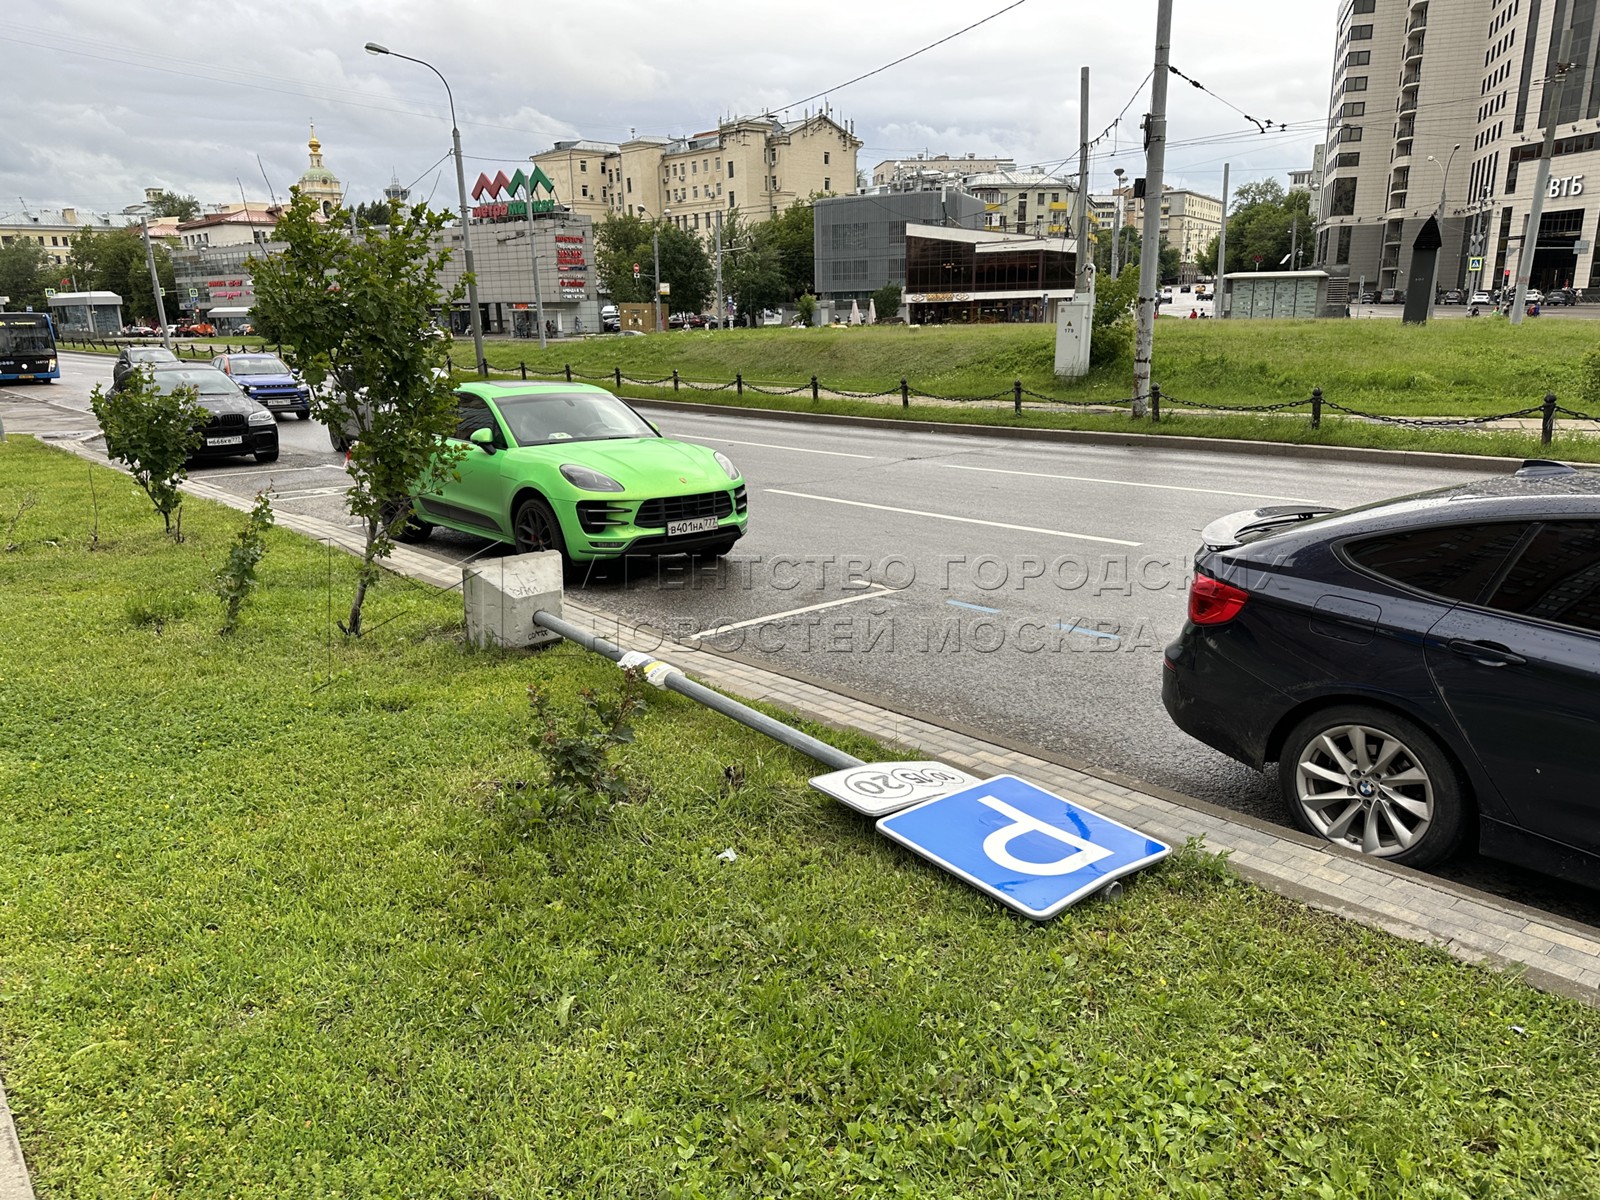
(54, 229)
(231, 225)
(761, 166)
(1438, 110)
(1026, 201)
(897, 172)
(1189, 220)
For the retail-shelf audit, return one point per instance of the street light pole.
(655, 253)
(533, 254)
(1116, 236)
(461, 193)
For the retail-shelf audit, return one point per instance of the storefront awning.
(228, 312)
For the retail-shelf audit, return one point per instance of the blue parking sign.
(1028, 848)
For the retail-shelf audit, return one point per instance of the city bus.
(27, 347)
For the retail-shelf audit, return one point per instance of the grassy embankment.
(1448, 368)
(267, 933)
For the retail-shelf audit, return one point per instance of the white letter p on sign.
(995, 845)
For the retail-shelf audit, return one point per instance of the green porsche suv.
(569, 467)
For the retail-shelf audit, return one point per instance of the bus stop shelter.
(98, 313)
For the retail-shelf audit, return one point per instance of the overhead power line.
(903, 58)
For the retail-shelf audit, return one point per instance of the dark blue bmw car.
(1425, 671)
(267, 379)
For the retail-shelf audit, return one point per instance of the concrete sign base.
(501, 597)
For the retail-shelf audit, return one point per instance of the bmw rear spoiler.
(1238, 528)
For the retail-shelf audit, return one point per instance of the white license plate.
(236, 440)
(692, 525)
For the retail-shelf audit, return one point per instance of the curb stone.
(14, 1183)
(1478, 463)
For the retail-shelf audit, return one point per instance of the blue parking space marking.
(1066, 628)
(973, 607)
(1030, 849)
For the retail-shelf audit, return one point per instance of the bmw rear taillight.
(1212, 602)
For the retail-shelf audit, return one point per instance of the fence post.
(738, 382)
(524, 367)
(617, 371)
(1155, 404)
(813, 389)
(1547, 420)
(1316, 408)
(569, 372)
(1016, 397)
(674, 378)
(905, 393)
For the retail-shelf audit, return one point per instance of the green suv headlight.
(726, 464)
(588, 479)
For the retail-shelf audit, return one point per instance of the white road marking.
(1165, 487)
(271, 471)
(308, 493)
(795, 449)
(914, 512)
(877, 590)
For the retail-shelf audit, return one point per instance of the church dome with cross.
(321, 184)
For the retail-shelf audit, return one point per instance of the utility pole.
(1541, 183)
(1085, 280)
(1218, 283)
(155, 282)
(1116, 235)
(722, 307)
(1155, 134)
(1294, 243)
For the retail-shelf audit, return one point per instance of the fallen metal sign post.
(1034, 851)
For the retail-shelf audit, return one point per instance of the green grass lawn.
(1466, 368)
(275, 921)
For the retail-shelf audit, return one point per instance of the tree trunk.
(368, 569)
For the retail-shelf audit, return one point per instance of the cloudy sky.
(107, 97)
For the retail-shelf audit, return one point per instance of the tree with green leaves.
(155, 435)
(753, 268)
(24, 274)
(354, 316)
(1263, 226)
(886, 300)
(622, 240)
(113, 260)
(170, 204)
(792, 237)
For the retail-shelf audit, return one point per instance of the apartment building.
(1439, 109)
(1026, 201)
(759, 165)
(938, 168)
(53, 229)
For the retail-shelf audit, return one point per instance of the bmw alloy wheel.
(1362, 787)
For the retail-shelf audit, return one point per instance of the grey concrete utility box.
(501, 597)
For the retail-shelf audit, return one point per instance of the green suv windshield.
(538, 418)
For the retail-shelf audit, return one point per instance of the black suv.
(237, 425)
(1424, 670)
(131, 356)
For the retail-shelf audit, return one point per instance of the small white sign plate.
(878, 789)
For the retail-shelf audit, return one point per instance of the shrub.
(237, 578)
(154, 435)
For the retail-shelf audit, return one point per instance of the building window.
(824, 158)
(1354, 108)
(694, 168)
(697, 193)
(827, 184)
(1350, 133)
(1346, 160)
(1365, 6)
(732, 203)
(585, 190)
(1358, 58)
(583, 164)
(1356, 83)
(730, 168)
(630, 184)
(1361, 33)
(1343, 203)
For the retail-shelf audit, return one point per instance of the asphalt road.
(1017, 588)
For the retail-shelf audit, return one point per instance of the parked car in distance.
(1453, 296)
(267, 379)
(138, 331)
(132, 356)
(1480, 297)
(1534, 296)
(569, 467)
(610, 318)
(1392, 296)
(238, 425)
(1425, 671)
(197, 329)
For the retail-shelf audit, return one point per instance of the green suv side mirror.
(483, 439)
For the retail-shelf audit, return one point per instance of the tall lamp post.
(655, 254)
(1116, 237)
(1438, 214)
(461, 192)
(533, 252)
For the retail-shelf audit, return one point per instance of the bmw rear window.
(1455, 562)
